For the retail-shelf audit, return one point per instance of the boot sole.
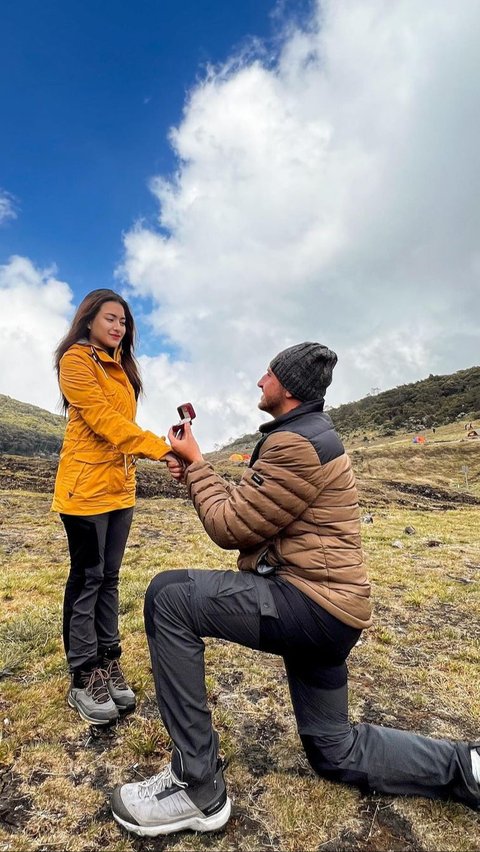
(123, 710)
(211, 823)
(86, 718)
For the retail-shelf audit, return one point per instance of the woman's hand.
(176, 467)
(185, 447)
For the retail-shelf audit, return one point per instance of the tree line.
(437, 400)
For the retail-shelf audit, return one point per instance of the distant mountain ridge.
(27, 430)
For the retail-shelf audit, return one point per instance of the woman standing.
(95, 494)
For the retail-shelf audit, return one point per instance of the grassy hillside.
(417, 668)
(433, 401)
(448, 458)
(27, 430)
(442, 473)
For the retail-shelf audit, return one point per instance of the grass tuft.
(35, 634)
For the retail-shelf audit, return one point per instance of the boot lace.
(97, 686)
(158, 783)
(115, 673)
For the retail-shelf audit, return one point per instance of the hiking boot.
(163, 804)
(118, 688)
(89, 695)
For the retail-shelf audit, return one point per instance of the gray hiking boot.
(163, 804)
(92, 699)
(119, 690)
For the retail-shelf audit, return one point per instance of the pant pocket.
(229, 605)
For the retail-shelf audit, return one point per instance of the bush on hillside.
(437, 400)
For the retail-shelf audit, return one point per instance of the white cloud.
(35, 308)
(7, 207)
(332, 196)
(329, 194)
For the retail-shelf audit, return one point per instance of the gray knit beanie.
(305, 369)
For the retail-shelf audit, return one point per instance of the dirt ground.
(34, 474)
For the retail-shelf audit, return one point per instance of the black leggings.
(90, 609)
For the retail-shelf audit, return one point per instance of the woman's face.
(108, 326)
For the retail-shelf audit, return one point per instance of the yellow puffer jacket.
(96, 472)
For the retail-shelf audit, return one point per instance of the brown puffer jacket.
(296, 508)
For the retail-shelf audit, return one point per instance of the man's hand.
(185, 447)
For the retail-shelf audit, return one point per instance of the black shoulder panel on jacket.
(309, 421)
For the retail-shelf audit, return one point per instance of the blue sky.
(88, 92)
(249, 175)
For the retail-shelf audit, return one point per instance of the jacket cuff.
(197, 470)
(158, 447)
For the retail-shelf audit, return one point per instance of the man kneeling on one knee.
(301, 592)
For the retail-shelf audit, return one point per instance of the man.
(301, 592)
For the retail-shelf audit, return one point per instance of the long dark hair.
(86, 312)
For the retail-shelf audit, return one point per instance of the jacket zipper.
(97, 361)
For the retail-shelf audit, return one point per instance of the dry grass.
(452, 465)
(417, 668)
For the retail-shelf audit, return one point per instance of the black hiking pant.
(90, 607)
(271, 615)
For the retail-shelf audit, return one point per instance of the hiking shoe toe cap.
(118, 807)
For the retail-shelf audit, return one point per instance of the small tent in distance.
(240, 458)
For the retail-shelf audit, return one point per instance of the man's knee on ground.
(156, 587)
(327, 759)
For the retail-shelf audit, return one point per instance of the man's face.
(274, 396)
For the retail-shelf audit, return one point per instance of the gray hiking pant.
(182, 606)
(90, 607)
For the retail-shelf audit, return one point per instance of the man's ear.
(288, 394)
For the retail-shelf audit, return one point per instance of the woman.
(95, 494)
